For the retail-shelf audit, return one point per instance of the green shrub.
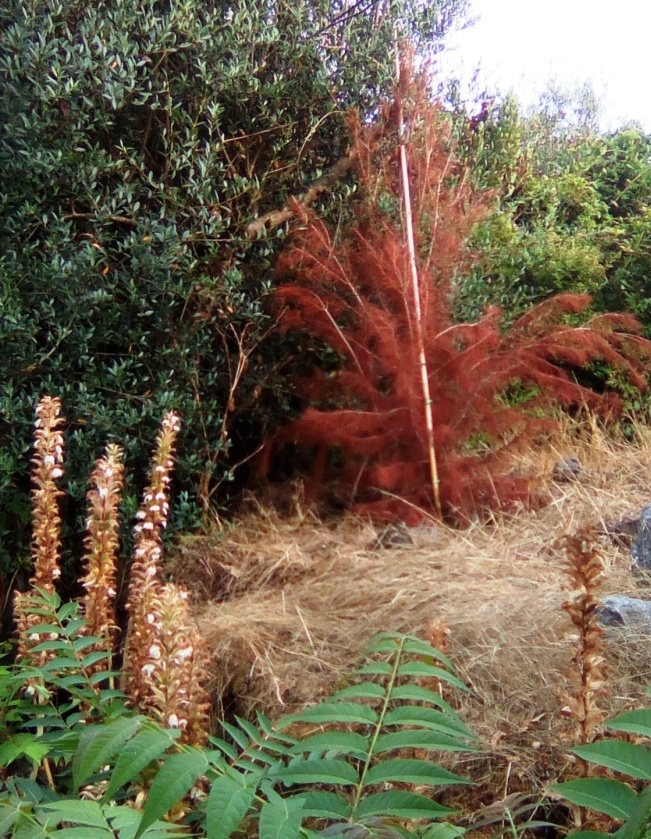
(137, 141)
(337, 762)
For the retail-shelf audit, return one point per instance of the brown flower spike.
(47, 468)
(585, 568)
(144, 585)
(100, 560)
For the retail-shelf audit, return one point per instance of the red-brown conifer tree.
(365, 424)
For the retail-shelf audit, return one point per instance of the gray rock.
(641, 550)
(393, 536)
(567, 470)
(622, 532)
(622, 610)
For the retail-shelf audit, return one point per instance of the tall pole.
(415, 284)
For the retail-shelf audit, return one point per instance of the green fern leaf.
(339, 742)
(365, 690)
(629, 758)
(81, 833)
(588, 834)
(411, 645)
(328, 712)
(325, 805)
(125, 821)
(92, 658)
(401, 804)
(98, 744)
(240, 737)
(86, 813)
(634, 722)
(416, 693)
(23, 743)
(411, 771)
(8, 817)
(427, 718)
(375, 668)
(613, 798)
(273, 733)
(227, 749)
(442, 830)
(229, 801)
(138, 753)
(419, 739)
(281, 818)
(317, 771)
(429, 671)
(173, 780)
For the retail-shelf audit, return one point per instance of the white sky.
(520, 44)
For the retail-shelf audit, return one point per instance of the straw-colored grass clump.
(288, 605)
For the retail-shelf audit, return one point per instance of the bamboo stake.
(411, 248)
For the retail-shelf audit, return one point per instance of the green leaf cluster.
(570, 207)
(617, 798)
(340, 762)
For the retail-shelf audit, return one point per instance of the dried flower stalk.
(47, 468)
(585, 568)
(144, 585)
(176, 668)
(101, 542)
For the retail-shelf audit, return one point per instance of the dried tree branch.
(274, 218)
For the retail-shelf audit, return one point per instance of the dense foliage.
(570, 210)
(337, 762)
(138, 140)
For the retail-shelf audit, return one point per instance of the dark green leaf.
(174, 780)
(375, 668)
(427, 718)
(364, 690)
(401, 805)
(346, 712)
(281, 818)
(229, 801)
(240, 737)
(26, 744)
(82, 833)
(420, 739)
(316, 771)
(411, 771)
(98, 744)
(138, 753)
(629, 758)
(87, 813)
(442, 831)
(416, 693)
(325, 805)
(429, 671)
(341, 742)
(8, 817)
(601, 794)
(635, 722)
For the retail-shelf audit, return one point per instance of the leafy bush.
(137, 143)
(335, 762)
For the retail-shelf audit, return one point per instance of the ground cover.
(288, 602)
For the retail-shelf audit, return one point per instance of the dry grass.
(287, 606)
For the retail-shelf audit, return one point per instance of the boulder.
(622, 610)
(641, 550)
